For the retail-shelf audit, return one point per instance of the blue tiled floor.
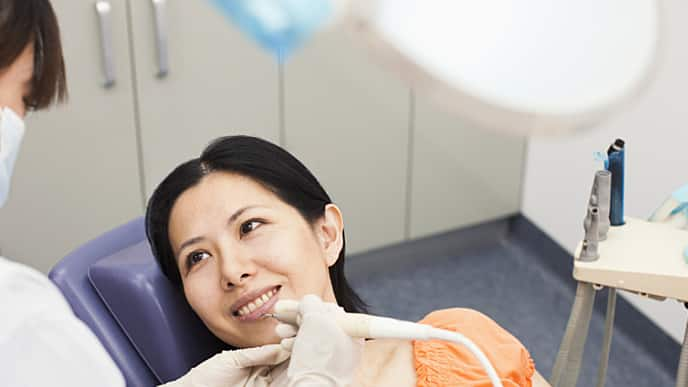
(506, 282)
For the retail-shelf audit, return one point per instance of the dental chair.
(114, 285)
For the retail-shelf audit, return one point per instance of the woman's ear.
(331, 233)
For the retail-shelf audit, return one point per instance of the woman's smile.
(253, 305)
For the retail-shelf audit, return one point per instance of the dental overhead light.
(522, 67)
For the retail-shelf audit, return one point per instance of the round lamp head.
(522, 67)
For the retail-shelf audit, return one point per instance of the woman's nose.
(236, 271)
(232, 283)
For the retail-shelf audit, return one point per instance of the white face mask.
(11, 135)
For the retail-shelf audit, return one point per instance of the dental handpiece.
(615, 165)
(374, 327)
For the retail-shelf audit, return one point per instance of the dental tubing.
(607, 341)
(682, 373)
(375, 327)
(569, 360)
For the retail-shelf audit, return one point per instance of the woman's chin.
(271, 338)
(257, 339)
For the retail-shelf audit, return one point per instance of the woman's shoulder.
(471, 323)
(445, 362)
(453, 316)
(437, 363)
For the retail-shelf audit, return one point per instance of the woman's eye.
(196, 257)
(249, 226)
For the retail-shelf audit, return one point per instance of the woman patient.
(246, 224)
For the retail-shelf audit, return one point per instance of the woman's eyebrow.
(190, 242)
(240, 211)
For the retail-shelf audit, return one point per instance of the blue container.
(280, 26)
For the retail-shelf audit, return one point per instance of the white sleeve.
(42, 343)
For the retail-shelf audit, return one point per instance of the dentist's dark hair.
(266, 163)
(34, 21)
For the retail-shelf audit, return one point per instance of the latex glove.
(241, 367)
(322, 353)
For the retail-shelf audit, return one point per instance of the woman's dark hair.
(266, 163)
(26, 21)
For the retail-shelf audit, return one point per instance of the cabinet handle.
(161, 37)
(104, 10)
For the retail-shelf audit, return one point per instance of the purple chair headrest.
(153, 314)
(114, 285)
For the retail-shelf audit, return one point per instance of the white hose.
(458, 338)
(375, 327)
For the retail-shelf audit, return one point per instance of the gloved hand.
(322, 353)
(241, 367)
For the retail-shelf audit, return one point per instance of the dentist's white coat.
(42, 343)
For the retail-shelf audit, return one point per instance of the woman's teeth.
(257, 303)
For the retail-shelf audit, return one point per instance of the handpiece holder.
(596, 222)
(591, 226)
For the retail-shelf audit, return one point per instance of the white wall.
(559, 171)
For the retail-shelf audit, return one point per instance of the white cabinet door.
(461, 174)
(347, 119)
(77, 174)
(219, 83)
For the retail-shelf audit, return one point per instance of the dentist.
(42, 343)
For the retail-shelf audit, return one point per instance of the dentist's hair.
(266, 163)
(34, 21)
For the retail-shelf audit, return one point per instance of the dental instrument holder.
(623, 263)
